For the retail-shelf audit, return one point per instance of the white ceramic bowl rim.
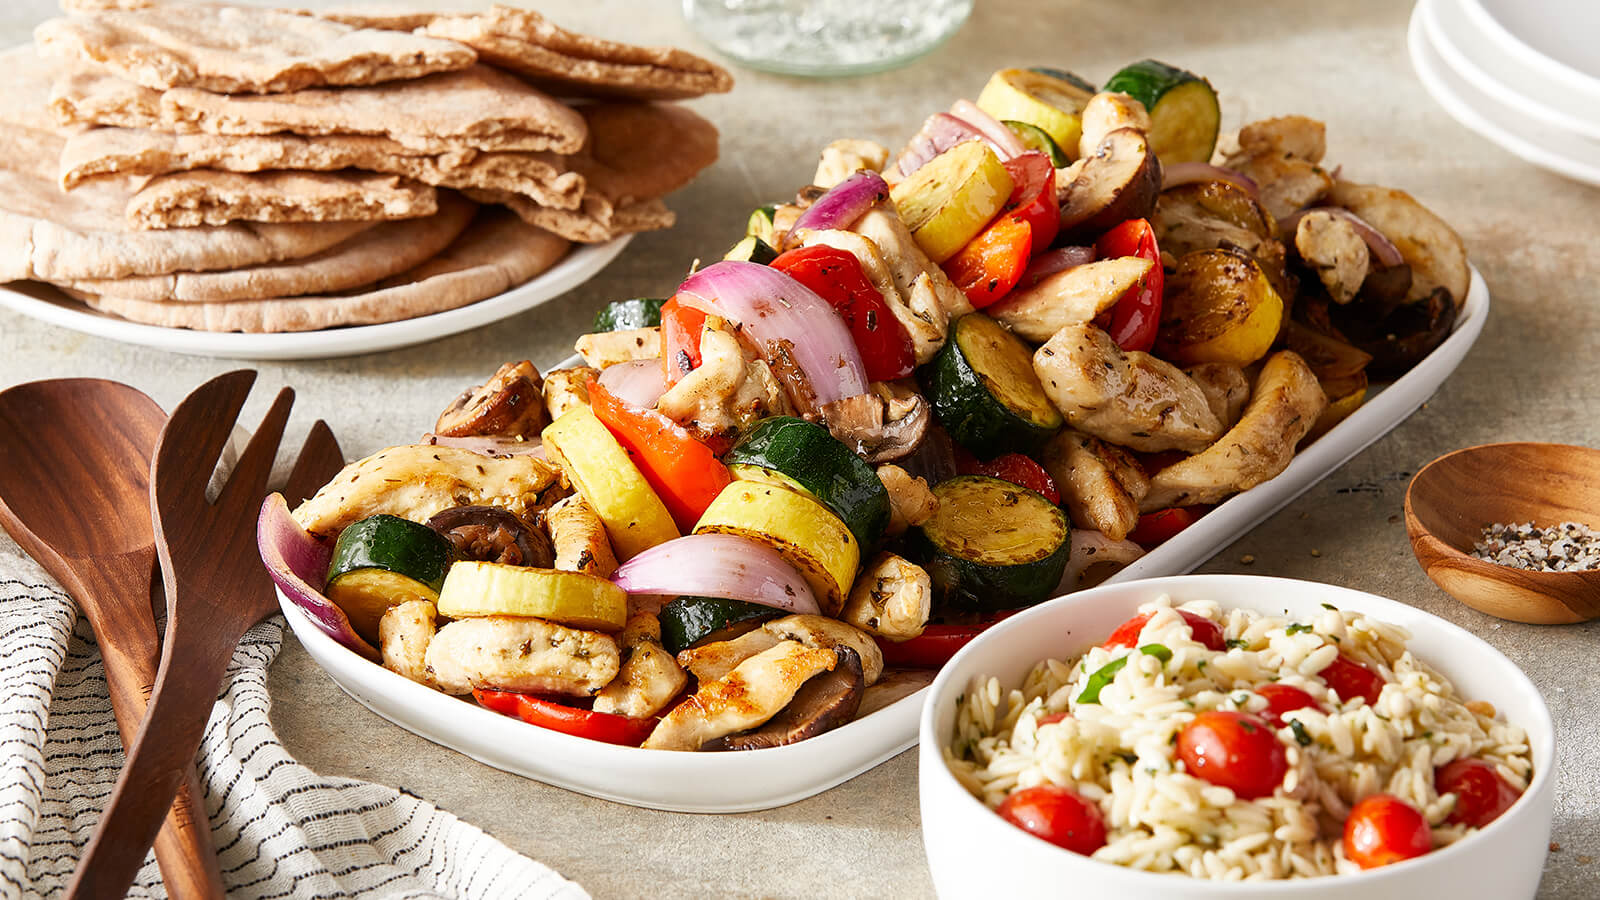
(1535, 720)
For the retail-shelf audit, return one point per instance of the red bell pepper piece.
(1016, 468)
(836, 276)
(684, 472)
(935, 645)
(992, 263)
(680, 339)
(1137, 316)
(1033, 196)
(1156, 528)
(584, 723)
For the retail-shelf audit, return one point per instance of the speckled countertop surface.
(1532, 376)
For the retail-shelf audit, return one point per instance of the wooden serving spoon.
(75, 495)
(1455, 496)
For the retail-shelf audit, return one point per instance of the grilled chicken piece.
(1300, 137)
(1281, 156)
(404, 633)
(911, 501)
(1226, 388)
(566, 388)
(1427, 243)
(918, 312)
(1128, 398)
(514, 653)
(1069, 297)
(1101, 484)
(607, 348)
(728, 392)
(418, 481)
(892, 598)
(1331, 247)
(710, 662)
(649, 677)
(755, 691)
(509, 404)
(914, 274)
(1106, 112)
(1285, 404)
(581, 544)
(821, 631)
(845, 157)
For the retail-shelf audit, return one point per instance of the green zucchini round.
(992, 545)
(1035, 138)
(800, 455)
(761, 224)
(752, 249)
(1184, 115)
(394, 545)
(1072, 78)
(984, 390)
(626, 315)
(687, 621)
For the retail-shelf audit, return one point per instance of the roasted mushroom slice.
(1120, 181)
(1401, 339)
(490, 534)
(510, 403)
(823, 703)
(884, 424)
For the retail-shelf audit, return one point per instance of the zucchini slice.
(984, 390)
(952, 198)
(761, 224)
(626, 315)
(803, 456)
(1184, 115)
(687, 621)
(383, 561)
(1041, 98)
(993, 545)
(803, 531)
(752, 249)
(573, 599)
(635, 518)
(1035, 138)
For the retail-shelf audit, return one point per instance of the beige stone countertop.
(1532, 376)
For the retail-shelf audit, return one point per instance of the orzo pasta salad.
(1232, 745)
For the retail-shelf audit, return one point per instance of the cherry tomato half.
(1481, 794)
(1384, 829)
(1235, 750)
(1205, 631)
(1058, 815)
(1282, 698)
(1016, 468)
(1352, 679)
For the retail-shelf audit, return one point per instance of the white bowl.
(974, 853)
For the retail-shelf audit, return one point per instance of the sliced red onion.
(1057, 260)
(772, 308)
(1005, 142)
(1190, 172)
(296, 561)
(718, 565)
(639, 382)
(1383, 249)
(489, 445)
(1091, 549)
(845, 202)
(939, 133)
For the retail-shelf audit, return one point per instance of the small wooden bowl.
(1455, 496)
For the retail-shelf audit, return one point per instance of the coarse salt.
(1568, 547)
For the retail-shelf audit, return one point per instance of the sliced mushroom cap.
(491, 534)
(882, 425)
(1401, 339)
(823, 703)
(510, 403)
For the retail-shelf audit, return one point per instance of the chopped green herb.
(1297, 628)
(1300, 735)
(1426, 735)
(1127, 757)
(1236, 643)
(1330, 606)
(1103, 675)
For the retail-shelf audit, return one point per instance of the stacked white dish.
(1522, 73)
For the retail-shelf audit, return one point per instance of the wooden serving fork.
(216, 590)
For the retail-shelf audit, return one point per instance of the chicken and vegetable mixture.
(934, 388)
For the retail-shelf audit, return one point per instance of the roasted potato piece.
(1069, 297)
(1118, 182)
(1219, 307)
(1101, 484)
(1433, 250)
(1285, 405)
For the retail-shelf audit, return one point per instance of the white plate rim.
(576, 267)
(1551, 67)
(1431, 72)
(763, 779)
(1447, 27)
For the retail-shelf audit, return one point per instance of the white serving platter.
(761, 779)
(42, 302)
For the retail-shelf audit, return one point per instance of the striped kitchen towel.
(281, 830)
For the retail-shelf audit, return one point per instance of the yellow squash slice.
(810, 537)
(1051, 104)
(635, 518)
(1219, 307)
(573, 599)
(951, 198)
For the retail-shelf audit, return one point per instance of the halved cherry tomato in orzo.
(1058, 815)
(1481, 794)
(1352, 679)
(1205, 631)
(1235, 750)
(1384, 829)
(584, 723)
(1282, 698)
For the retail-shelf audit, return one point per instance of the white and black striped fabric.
(281, 830)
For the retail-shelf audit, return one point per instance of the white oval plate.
(761, 779)
(1548, 148)
(1556, 37)
(40, 301)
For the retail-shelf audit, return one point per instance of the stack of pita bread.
(247, 169)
